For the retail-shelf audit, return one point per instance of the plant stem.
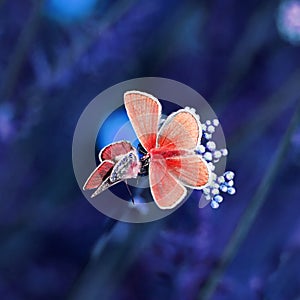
(251, 211)
(17, 58)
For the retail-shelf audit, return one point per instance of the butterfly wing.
(113, 151)
(181, 130)
(191, 170)
(166, 191)
(173, 164)
(99, 175)
(109, 173)
(127, 167)
(144, 113)
(104, 186)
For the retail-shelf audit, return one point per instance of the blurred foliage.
(54, 244)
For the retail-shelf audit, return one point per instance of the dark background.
(55, 57)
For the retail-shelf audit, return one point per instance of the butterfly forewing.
(126, 167)
(104, 186)
(181, 130)
(144, 112)
(119, 161)
(99, 175)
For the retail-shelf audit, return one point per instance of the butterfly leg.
(129, 191)
(144, 165)
(141, 149)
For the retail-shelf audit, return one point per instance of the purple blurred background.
(56, 56)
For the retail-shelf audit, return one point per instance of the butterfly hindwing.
(114, 150)
(127, 167)
(167, 192)
(144, 112)
(191, 170)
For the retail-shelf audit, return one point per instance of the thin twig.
(2, 2)
(275, 105)
(17, 58)
(129, 191)
(105, 270)
(251, 212)
(245, 51)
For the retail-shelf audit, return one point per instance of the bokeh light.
(288, 21)
(110, 128)
(6, 122)
(66, 11)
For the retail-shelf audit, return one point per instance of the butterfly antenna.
(129, 191)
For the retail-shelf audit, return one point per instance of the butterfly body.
(167, 153)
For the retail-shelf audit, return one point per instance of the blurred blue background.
(56, 56)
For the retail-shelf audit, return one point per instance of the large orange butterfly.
(172, 155)
(174, 165)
